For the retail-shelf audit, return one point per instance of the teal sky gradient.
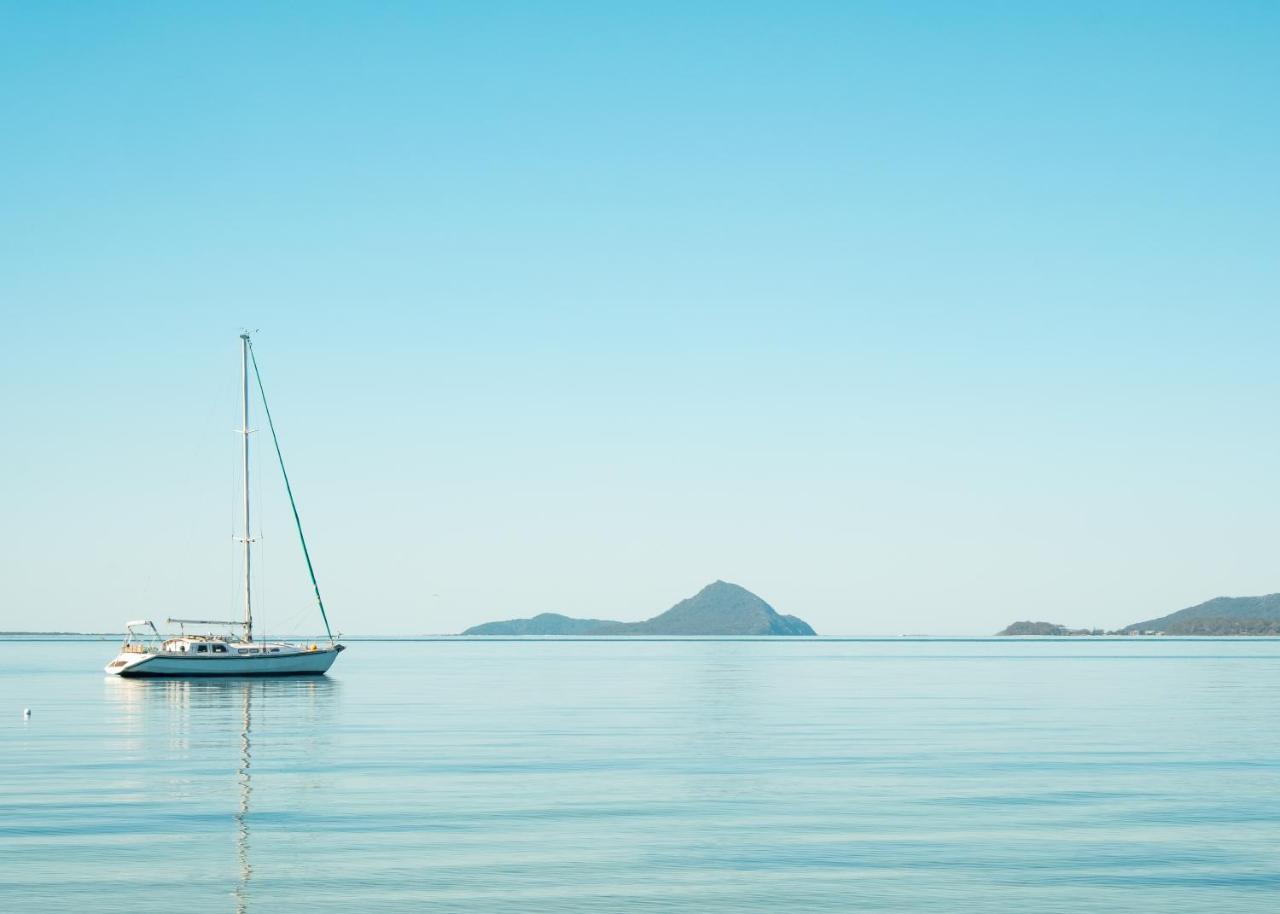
(910, 317)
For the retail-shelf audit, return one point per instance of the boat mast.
(244, 376)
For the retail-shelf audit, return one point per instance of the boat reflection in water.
(172, 721)
(245, 782)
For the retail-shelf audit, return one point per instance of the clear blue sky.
(911, 317)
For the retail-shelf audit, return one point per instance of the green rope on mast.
(288, 488)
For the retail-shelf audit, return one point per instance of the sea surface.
(788, 775)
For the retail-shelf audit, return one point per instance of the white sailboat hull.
(164, 663)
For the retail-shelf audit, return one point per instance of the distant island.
(1219, 616)
(720, 608)
(1045, 628)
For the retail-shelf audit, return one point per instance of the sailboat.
(146, 653)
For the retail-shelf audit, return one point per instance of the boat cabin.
(195, 645)
(213, 645)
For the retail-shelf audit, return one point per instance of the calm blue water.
(707, 776)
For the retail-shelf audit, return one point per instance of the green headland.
(720, 608)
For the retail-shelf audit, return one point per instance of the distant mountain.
(1219, 616)
(718, 609)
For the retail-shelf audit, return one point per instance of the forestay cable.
(289, 489)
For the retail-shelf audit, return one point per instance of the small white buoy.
(26, 712)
